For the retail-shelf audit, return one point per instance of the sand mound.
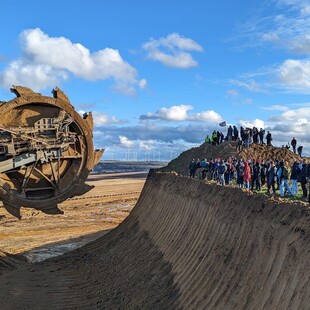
(226, 150)
(263, 152)
(186, 245)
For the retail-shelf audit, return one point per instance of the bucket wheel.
(46, 150)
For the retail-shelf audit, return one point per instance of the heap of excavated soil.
(186, 245)
(226, 150)
(264, 152)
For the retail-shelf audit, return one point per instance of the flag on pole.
(222, 124)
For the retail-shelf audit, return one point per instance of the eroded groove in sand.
(235, 249)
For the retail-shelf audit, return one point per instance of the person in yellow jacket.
(214, 137)
(208, 139)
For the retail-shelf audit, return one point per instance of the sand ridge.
(186, 245)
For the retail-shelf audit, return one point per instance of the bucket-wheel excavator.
(46, 151)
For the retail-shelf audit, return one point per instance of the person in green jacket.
(208, 139)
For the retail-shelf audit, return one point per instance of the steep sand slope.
(186, 245)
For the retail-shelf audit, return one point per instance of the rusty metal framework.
(46, 150)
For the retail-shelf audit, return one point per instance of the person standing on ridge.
(271, 177)
(294, 177)
(208, 139)
(268, 138)
(221, 171)
(204, 168)
(256, 180)
(261, 134)
(236, 133)
(214, 137)
(192, 168)
(284, 175)
(302, 178)
(293, 144)
(299, 150)
(247, 175)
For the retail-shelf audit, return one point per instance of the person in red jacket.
(247, 175)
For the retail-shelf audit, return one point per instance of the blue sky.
(160, 75)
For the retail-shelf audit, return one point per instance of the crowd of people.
(245, 137)
(253, 175)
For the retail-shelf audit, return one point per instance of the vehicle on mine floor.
(46, 151)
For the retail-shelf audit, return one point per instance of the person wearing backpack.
(204, 168)
(284, 175)
(221, 170)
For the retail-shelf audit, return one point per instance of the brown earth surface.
(226, 150)
(85, 218)
(187, 244)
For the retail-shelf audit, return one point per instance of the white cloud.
(283, 125)
(270, 37)
(142, 83)
(305, 10)
(125, 142)
(301, 44)
(175, 113)
(35, 76)
(232, 93)
(275, 108)
(151, 134)
(291, 75)
(294, 116)
(51, 59)
(145, 145)
(247, 101)
(101, 118)
(250, 85)
(287, 28)
(258, 123)
(292, 123)
(136, 143)
(295, 74)
(206, 116)
(172, 51)
(180, 113)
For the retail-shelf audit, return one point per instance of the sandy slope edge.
(187, 245)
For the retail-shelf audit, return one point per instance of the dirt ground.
(85, 218)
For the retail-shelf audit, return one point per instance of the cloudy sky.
(160, 75)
